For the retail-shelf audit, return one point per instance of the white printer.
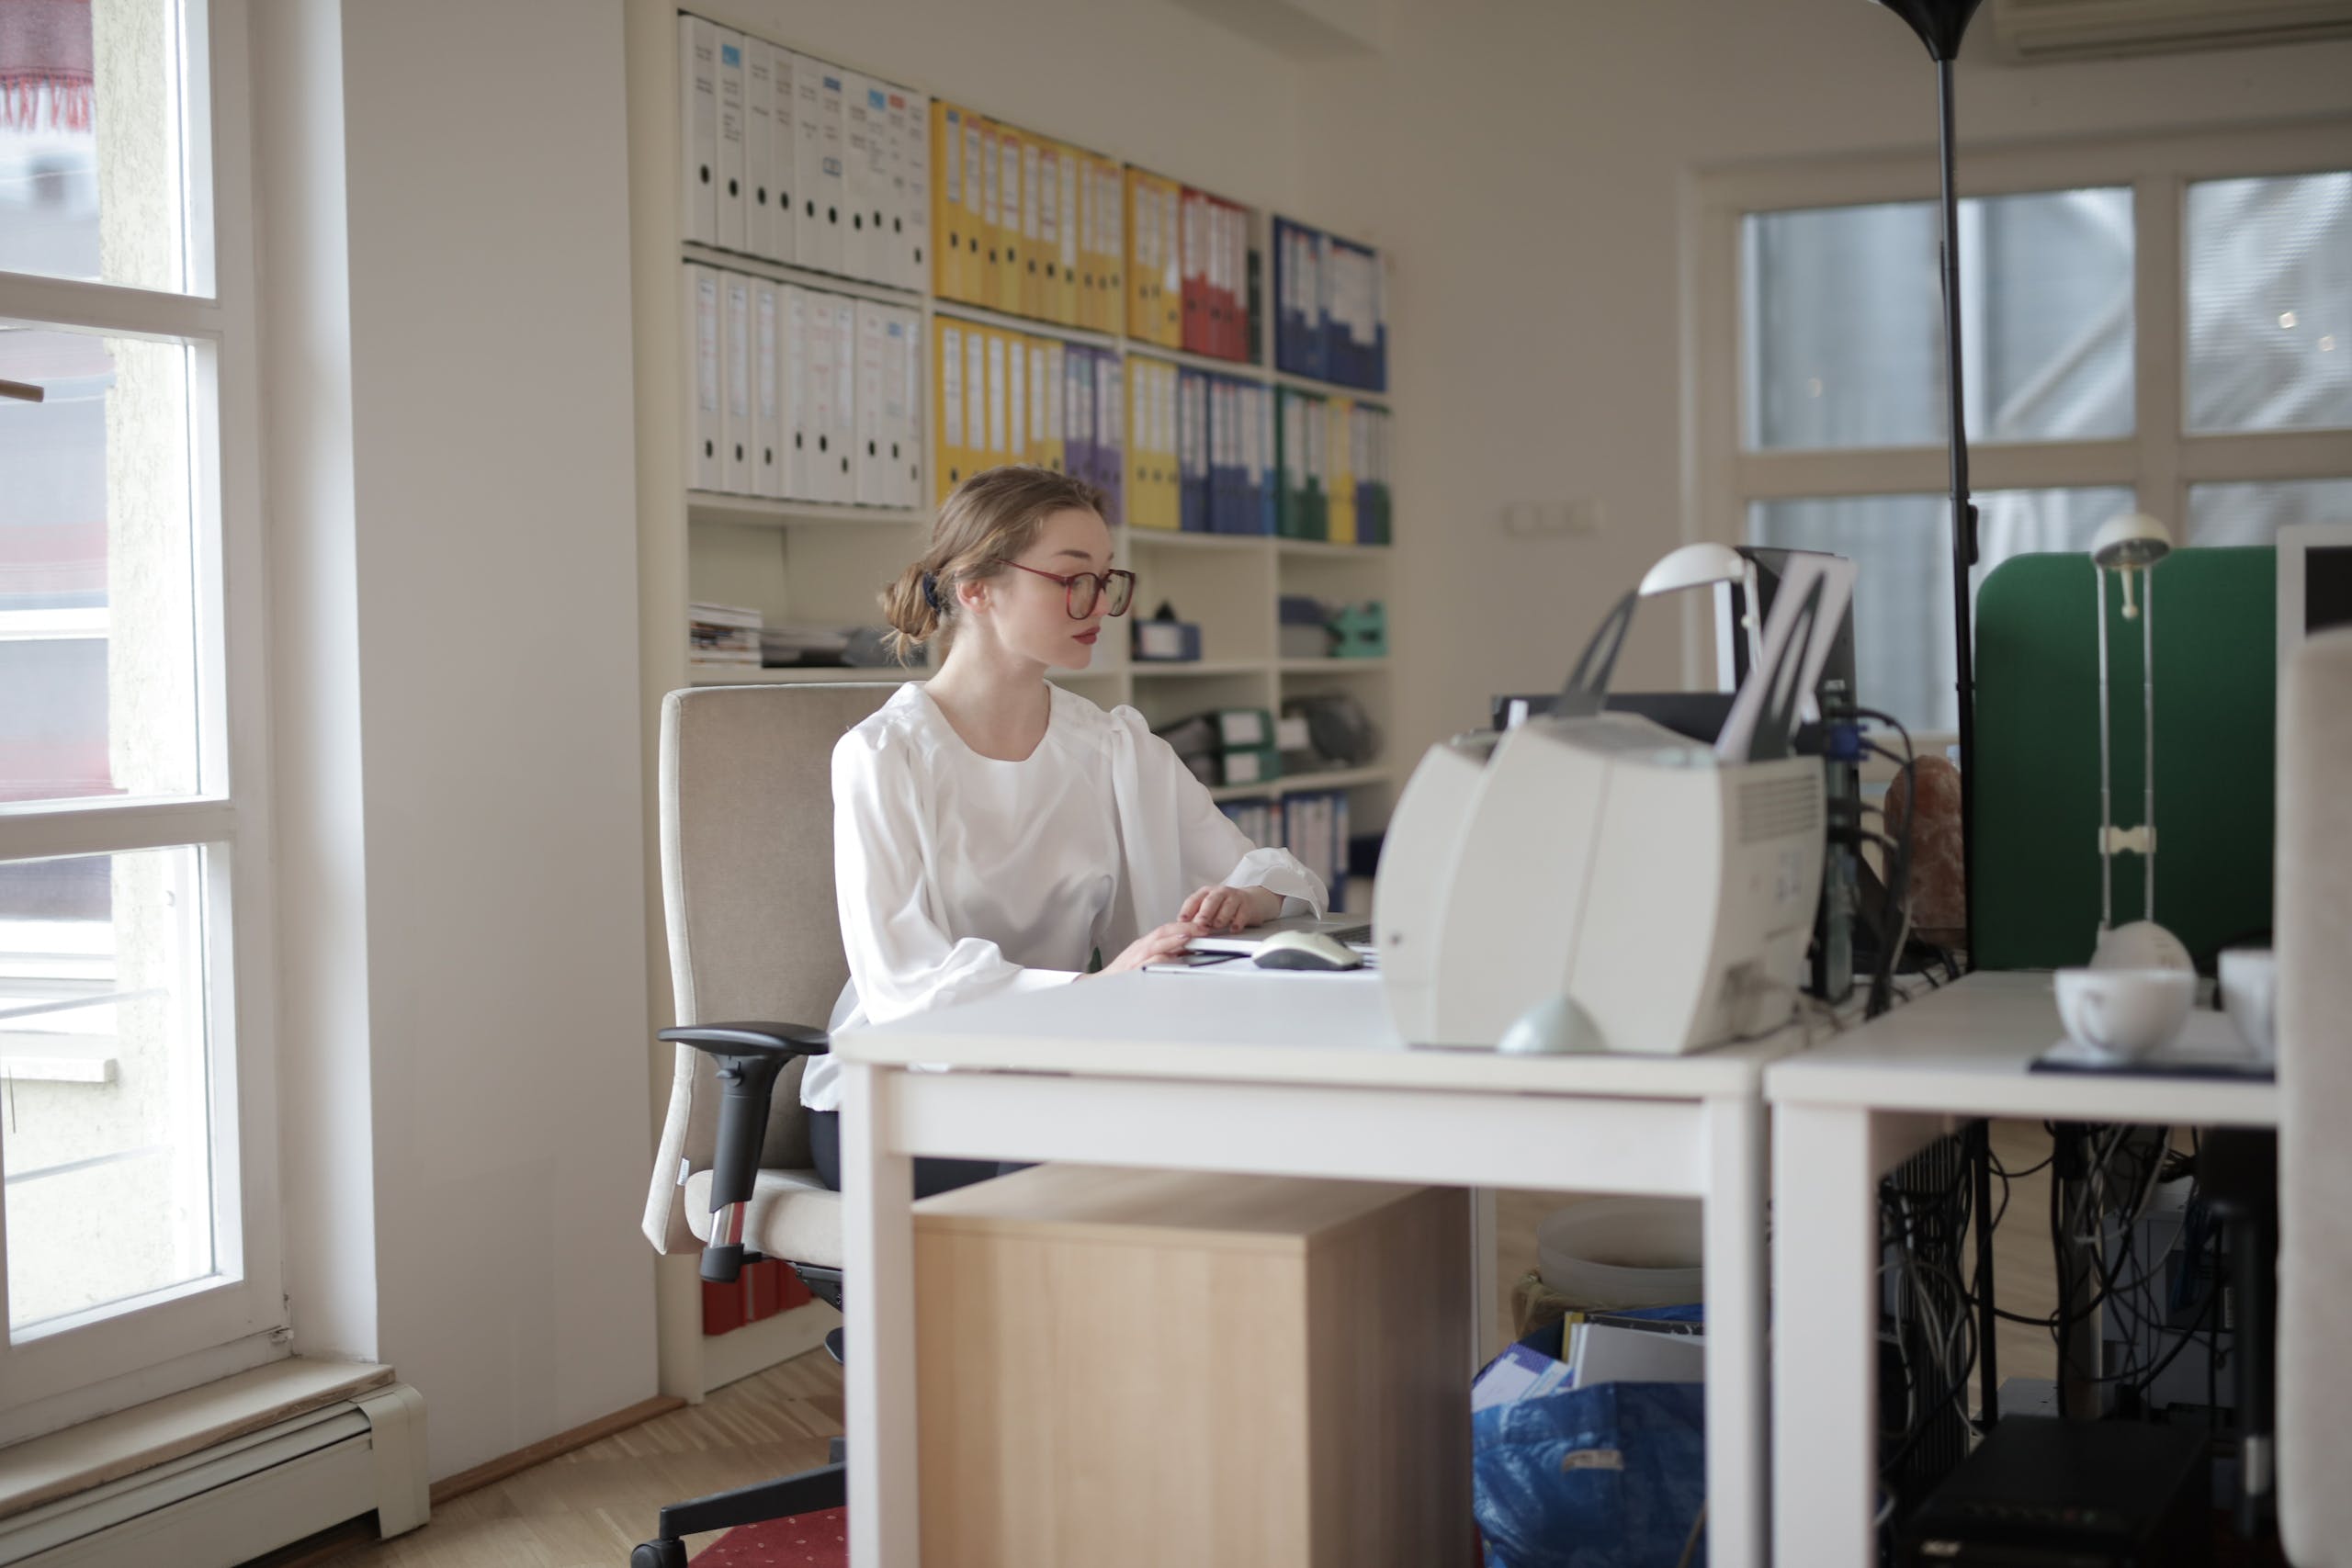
(1590, 880)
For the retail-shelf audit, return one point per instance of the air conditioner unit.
(2071, 30)
(243, 1496)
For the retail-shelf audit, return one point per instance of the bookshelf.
(801, 561)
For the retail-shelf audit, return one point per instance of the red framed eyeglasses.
(1081, 590)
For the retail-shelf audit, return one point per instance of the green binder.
(1299, 512)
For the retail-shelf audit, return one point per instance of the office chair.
(747, 894)
(2313, 935)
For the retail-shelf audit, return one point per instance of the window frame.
(182, 1335)
(2158, 461)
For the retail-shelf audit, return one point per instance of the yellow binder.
(1116, 249)
(1152, 480)
(1101, 305)
(1340, 471)
(952, 223)
(1013, 249)
(991, 215)
(1046, 445)
(1032, 227)
(1057, 167)
(1155, 279)
(1057, 400)
(953, 464)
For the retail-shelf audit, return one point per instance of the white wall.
(464, 895)
(1524, 161)
(327, 1155)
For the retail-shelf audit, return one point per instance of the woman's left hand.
(1231, 909)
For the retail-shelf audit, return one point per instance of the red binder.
(1194, 229)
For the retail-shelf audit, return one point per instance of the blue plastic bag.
(1606, 1477)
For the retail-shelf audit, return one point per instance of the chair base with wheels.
(748, 1057)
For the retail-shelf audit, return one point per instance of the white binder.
(862, 130)
(698, 126)
(874, 211)
(914, 400)
(870, 468)
(759, 148)
(783, 164)
(732, 137)
(845, 396)
(821, 460)
(767, 387)
(913, 224)
(704, 469)
(891, 245)
(817, 130)
(798, 395)
(736, 368)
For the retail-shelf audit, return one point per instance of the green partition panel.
(2036, 753)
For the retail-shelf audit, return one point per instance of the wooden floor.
(586, 1510)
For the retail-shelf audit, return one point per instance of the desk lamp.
(2125, 545)
(1940, 24)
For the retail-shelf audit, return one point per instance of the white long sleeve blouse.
(960, 876)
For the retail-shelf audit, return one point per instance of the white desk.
(1294, 1075)
(1845, 1113)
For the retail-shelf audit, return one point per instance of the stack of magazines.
(722, 634)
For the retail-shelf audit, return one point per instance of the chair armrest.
(783, 1041)
(747, 1057)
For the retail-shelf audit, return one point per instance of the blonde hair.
(986, 521)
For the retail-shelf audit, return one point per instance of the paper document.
(1777, 686)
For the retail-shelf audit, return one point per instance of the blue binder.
(1299, 346)
(1356, 346)
(1192, 451)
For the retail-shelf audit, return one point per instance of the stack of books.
(722, 634)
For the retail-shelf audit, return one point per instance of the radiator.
(239, 1498)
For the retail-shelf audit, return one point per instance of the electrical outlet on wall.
(1578, 517)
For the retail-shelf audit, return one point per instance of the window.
(2160, 325)
(140, 1211)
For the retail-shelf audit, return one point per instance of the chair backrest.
(2314, 1024)
(746, 893)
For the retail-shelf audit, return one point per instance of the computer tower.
(2040, 1493)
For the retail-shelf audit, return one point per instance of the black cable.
(1898, 881)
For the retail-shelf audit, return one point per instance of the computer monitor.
(1730, 637)
(2314, 580)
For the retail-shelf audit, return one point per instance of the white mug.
(2124, 1013)
(2250, 994)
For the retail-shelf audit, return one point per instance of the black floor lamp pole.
(1963, 523)
(1940, 24)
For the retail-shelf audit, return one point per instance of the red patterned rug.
(809, 1541)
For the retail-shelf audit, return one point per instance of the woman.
(994, 832)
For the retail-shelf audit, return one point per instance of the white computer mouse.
(1306, 950)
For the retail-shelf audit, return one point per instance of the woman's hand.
(1153, 946)
(1223, 908)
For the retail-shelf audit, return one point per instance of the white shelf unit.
(800, 561)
